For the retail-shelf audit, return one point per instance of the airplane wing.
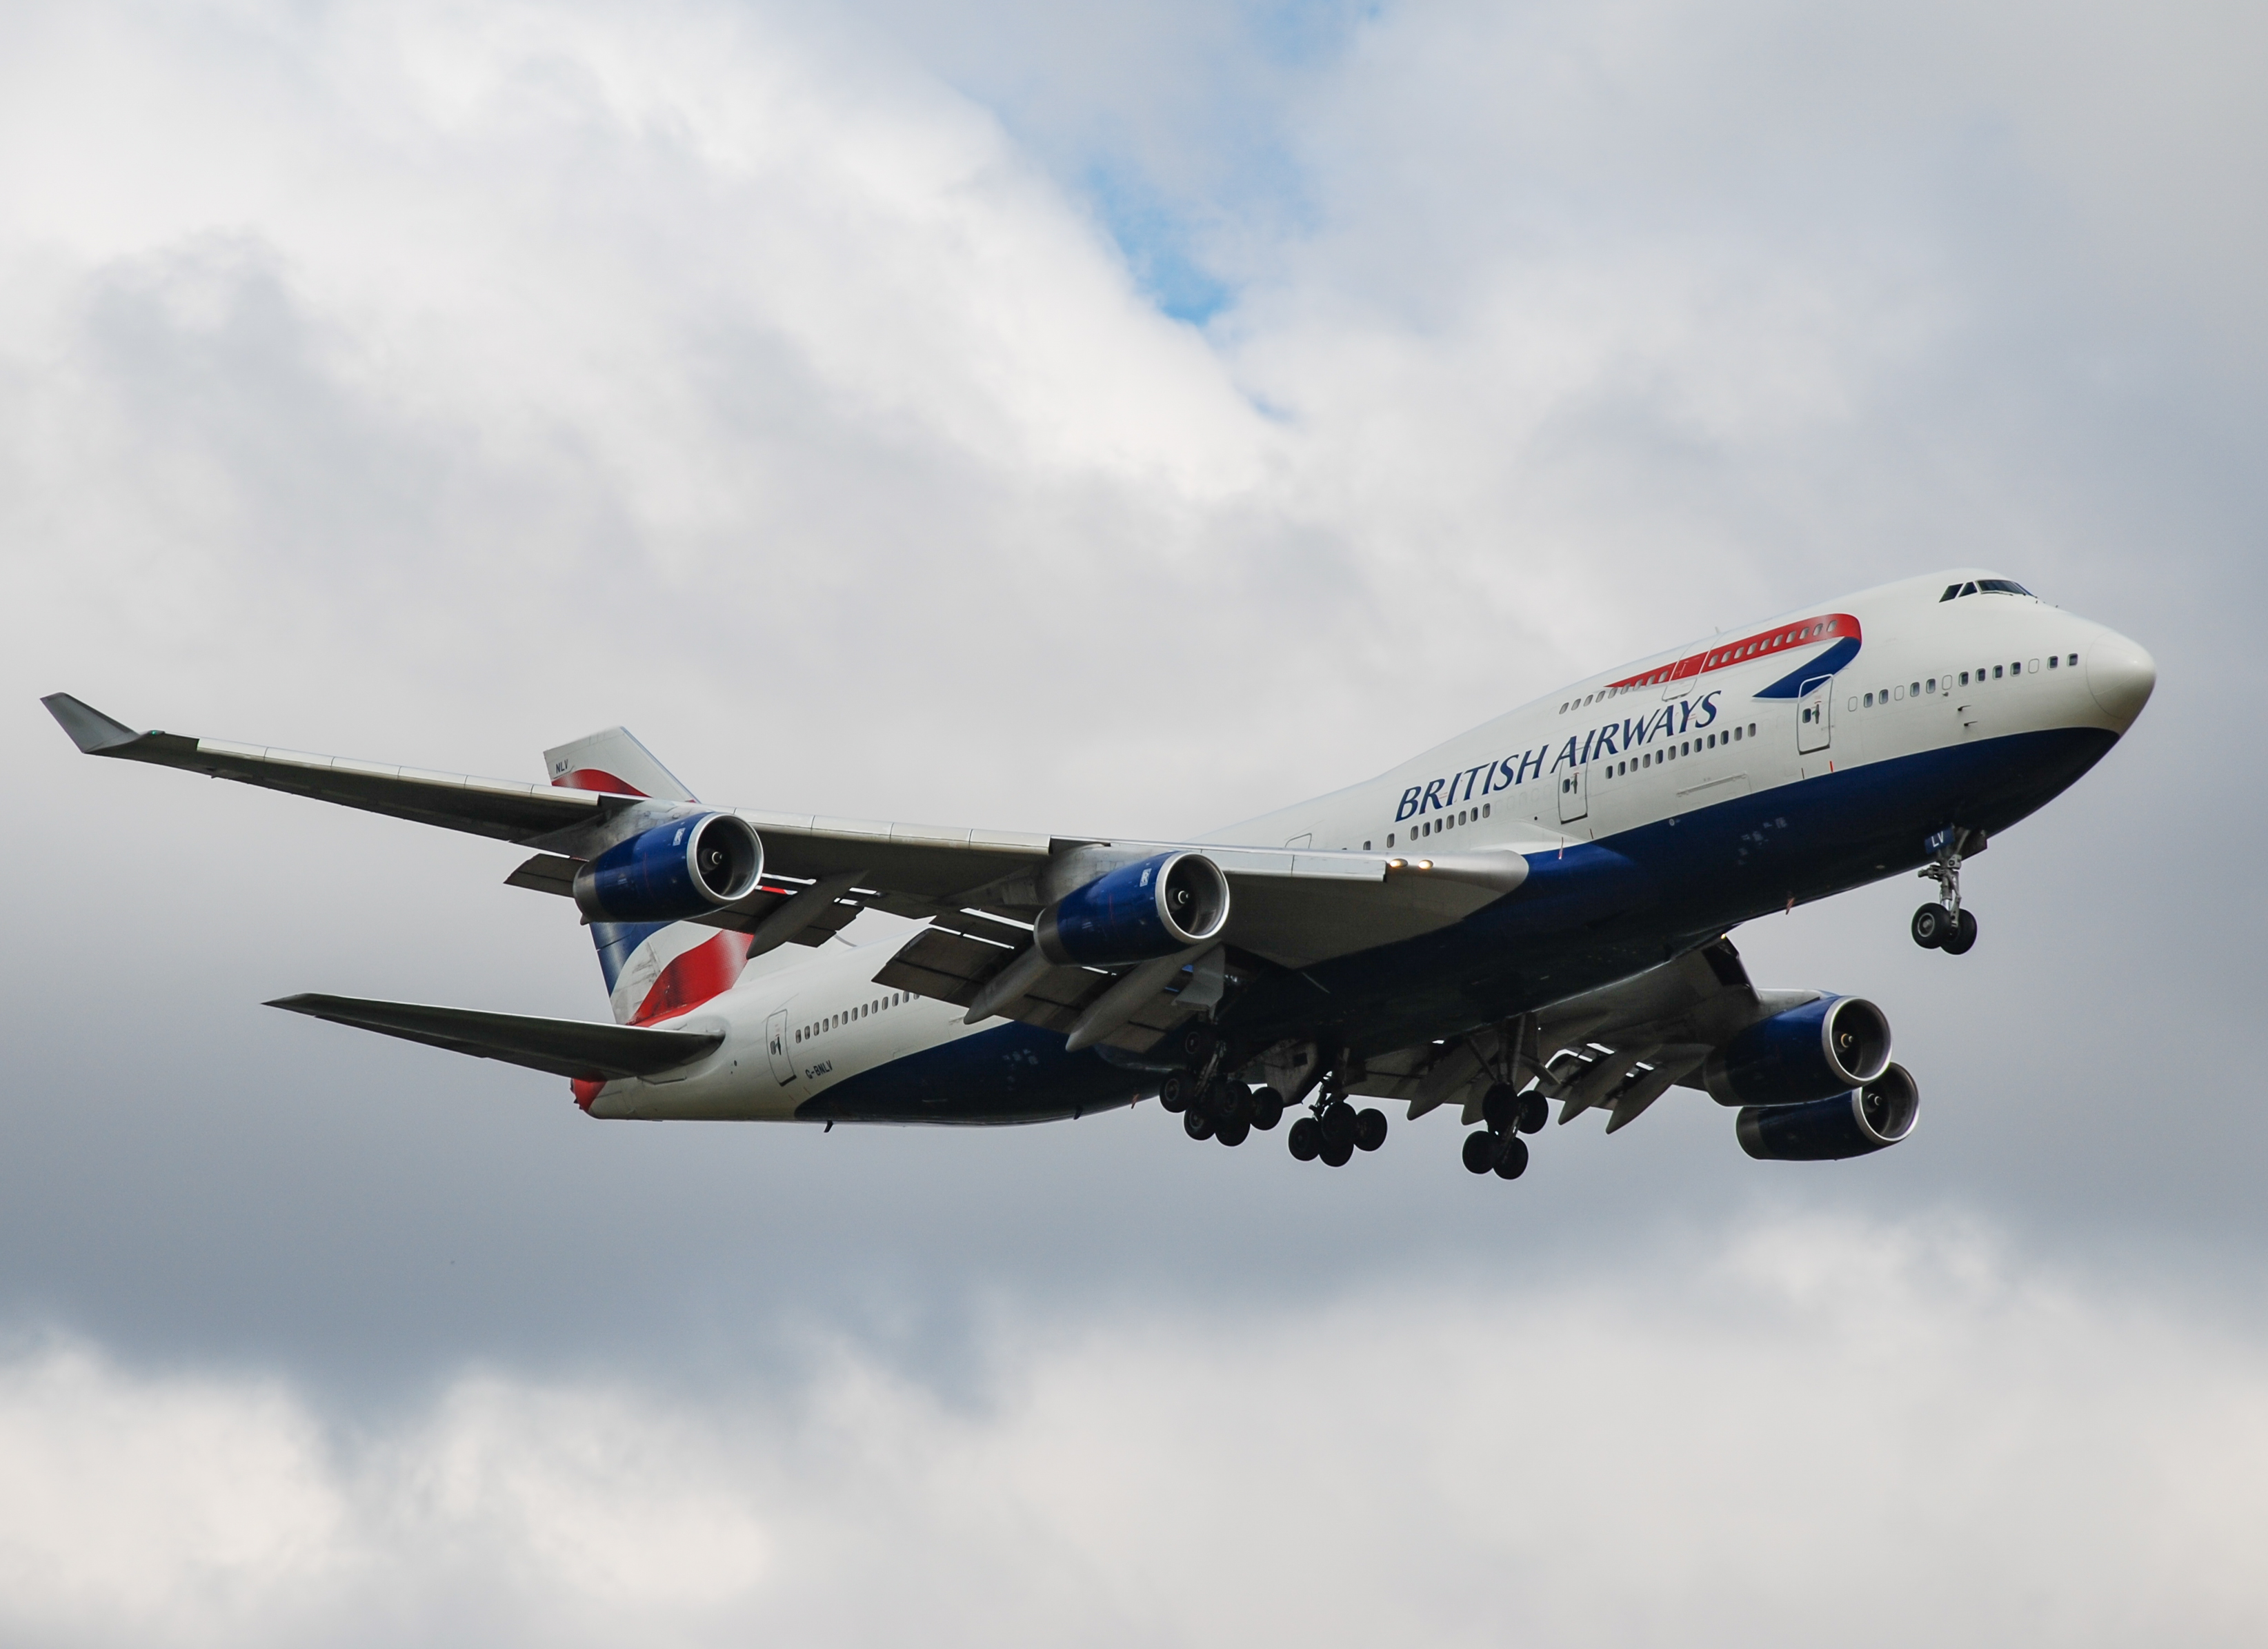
(981, 891)
(575, 1048)
(1617, 1049)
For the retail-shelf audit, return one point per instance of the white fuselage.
(1903, 671)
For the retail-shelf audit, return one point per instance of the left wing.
(1617, 1048)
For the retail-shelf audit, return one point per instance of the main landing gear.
(1337, 1131)
(1498, 1147)
(1211, 1106)
(1947, 927)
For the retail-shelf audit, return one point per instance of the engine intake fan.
(1151, 908)
(1865, 1119)
(683, 869)
(1824, 1048)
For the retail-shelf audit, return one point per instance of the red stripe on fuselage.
(1723, 655)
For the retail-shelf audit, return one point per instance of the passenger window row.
(1671, 752)
(835, 1021)
(1914, 689)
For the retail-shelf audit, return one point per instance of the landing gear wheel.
(1337, 1156)
(1500, 1106)
(1173, 1091)
(1340, 1126)
(1233, 1132)
(1197, 1124)
(1535, 1112)
(1962, 935)
(1370, 1129)
(1194, 1043)
(1307, 1139)
(1930, 925)
(1511, 1161)
(1267, 1108)
(1235, 1106)
(1480, 1151)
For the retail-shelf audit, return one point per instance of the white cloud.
(1813, 1430)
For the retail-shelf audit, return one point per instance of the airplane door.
(776, 1044)
(1815, 715)
(1574, 803)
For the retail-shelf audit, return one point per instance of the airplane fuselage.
(1658, 805)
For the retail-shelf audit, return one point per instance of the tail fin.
(654, 969)
(615, 762)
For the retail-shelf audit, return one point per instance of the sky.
(1090, 418)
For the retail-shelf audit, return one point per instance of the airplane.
(1537, 911)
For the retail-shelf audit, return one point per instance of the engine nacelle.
(686, 868)
(1151, 908)
(1821, 1049)
(1865, 1119)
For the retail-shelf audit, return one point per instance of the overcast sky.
(1074, 416)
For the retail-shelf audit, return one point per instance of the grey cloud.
(820, 435)
(1829, 1428)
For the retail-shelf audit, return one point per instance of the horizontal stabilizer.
(575, 1048)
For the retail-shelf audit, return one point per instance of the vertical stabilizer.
(613, 761)
(654, 969)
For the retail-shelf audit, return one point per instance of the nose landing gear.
(1947, 927)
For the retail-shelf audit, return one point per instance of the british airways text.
(1671, 720)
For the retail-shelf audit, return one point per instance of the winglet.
(93, 732)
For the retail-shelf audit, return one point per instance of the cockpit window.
(1990, 586)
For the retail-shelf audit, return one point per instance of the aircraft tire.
(1306, 1140)
(1173, 1091)
(1480, 1151)
(1511, 1161)
(1535, 1112)
(1931, 926)
(1338, 1155)
(1233, 1132)
(1197, 1124)
(1370, 1129)
(1964, 937)
(1338, 1125)
(1267, 1108)
(1500, 1107)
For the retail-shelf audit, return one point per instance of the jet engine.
(1821, 1049)
(1151, 908)
(1865, 1119)
(683, 869)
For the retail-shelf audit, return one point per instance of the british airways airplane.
(1534, 912)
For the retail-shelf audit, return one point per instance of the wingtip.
(94, 733)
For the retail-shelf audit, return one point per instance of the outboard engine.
(1823, 1049)
(1150, 908)
(1865, 1119)
(686, 868)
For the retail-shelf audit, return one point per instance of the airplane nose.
(2120, 675)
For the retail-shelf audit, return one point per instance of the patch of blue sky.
(1305, 32)
(1158, 242)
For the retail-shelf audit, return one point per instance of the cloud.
(1878, 1433)
(433, 383)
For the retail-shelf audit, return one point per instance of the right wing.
(980, 890)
